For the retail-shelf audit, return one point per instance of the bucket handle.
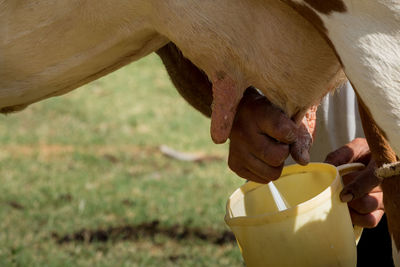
(346, 169)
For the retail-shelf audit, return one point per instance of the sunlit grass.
(90, 160)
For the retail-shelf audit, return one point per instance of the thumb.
(300, 150)
(340, 156)
(356, 150)
(360, 186)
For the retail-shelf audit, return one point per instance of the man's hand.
(362, 190)
(262, 135)
(261, 139)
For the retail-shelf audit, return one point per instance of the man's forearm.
(192, 84)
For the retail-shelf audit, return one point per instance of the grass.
(83, 182)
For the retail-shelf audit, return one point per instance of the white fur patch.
(388, 170)
(367, 39)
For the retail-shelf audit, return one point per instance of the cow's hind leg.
(383, 154)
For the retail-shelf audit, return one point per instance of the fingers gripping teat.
(300, 150)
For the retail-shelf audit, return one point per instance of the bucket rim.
(301, 208)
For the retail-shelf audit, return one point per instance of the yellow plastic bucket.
(315, 231)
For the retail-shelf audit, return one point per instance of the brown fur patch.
(191, 82)
(327, 6)
(308, 14)
(391, 200)
(314, 18)
(376, 137)
(12, 109)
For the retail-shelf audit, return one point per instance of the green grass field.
(83, 182)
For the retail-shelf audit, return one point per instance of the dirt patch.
(15, 205)
(175, 258)
(147, 229)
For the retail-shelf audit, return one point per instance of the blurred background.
(84, 182)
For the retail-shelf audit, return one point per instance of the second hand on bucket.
(280, 201)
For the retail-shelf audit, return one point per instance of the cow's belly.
(45, 53)
(20, 88)
(50, 53)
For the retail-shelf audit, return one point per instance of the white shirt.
(338, 122)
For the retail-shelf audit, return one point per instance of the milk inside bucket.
(315, 229)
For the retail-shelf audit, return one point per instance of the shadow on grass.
(147, 229)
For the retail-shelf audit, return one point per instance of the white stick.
(280, 201)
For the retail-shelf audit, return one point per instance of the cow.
(291, 50)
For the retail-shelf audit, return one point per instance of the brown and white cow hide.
(48, 48)
(366, 38)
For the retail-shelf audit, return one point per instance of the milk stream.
(280, 201)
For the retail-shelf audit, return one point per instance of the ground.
(83, 182)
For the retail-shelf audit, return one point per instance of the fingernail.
(306, 155)
(305, 158)
(347, 197)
